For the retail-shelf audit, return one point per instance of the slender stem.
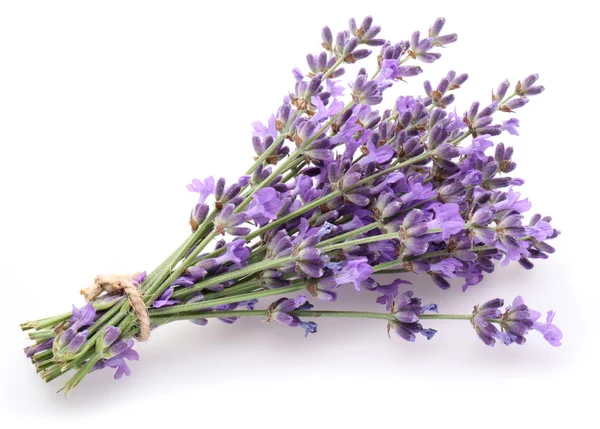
(351, 234)
(161, 319)
(446, 316)
(396, 271)
(241, 288)
(42, 335)
(202, 305)
(365, 240)
(461, 138)
(76, 379)
(332, 68)
(236, 274)
(445, 252)
(186, 262)
(42, 356)
(55, 320)
(504, 101)
(294, 170)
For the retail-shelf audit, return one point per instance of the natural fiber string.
(121, 284)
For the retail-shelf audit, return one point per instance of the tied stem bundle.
(339, 192)
(122, 284)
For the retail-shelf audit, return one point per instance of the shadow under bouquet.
(339, 191)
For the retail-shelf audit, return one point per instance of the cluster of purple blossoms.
(341, 191)
(418, 170)
(405, 322)
(516, 321)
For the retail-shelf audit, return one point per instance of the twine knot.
(122, 284)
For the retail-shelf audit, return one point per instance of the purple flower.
(353, 271)
(389, 71)
(482, 321)
(434, 33)
(280, 310)
(324, 112)
(477, 147)
(389, 292)
(514, 104)
(83, 316)
(66, 337)
(139, 278)
(405, 104)
(379, 155)
(420, 48)
(417, 192)
(333, 88)
(115, 357)
(412, 232)
(511, 201)
(110, 335)
(165, 299)
(203, 188)
(511, 126)
(264, 206)
(193, 274)
(406, 311)
(550, 332)
(227, 221)
(518, 319)
(525, 87)
(310, 261)
(198, 215)
(77, 342)
(365, 91)
(263, 131)
(448, 219)
(44, 345)
(540, 230)
(236, 252)
(447, 267)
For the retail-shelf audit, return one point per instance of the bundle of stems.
(338, 193)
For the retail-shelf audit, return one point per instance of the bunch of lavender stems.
(339, 191)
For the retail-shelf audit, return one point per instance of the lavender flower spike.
(406, 311)
(281, 308)
(516, 321)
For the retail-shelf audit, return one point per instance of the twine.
(121, 284)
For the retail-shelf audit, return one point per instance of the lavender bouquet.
(339, 191)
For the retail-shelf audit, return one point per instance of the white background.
(107, 110)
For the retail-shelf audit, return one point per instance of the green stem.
(42, 335)
(76, 379)
(332, 68)
(365, 240)
(42, 356)
(350, 234)
(162, 319)
(55, 320)
(445, 316)
(233, 275)
(176, 273)
(195, 306)
(456, 141)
